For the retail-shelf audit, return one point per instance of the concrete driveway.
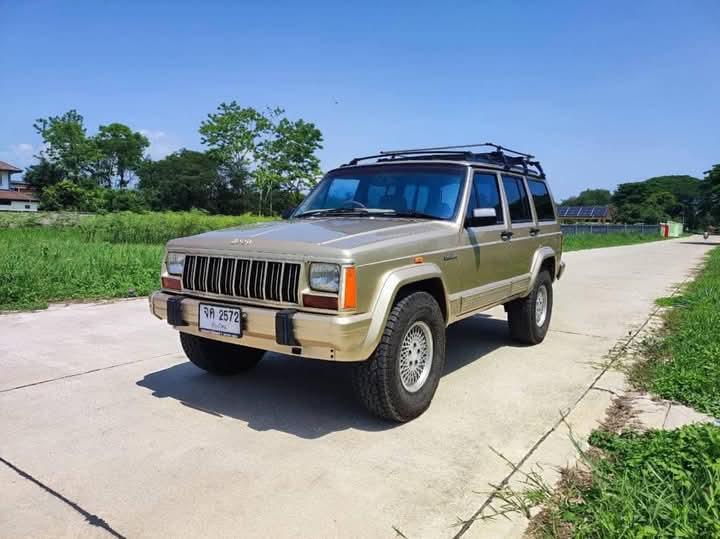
(106, 429)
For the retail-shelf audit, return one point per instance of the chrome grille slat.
(265, 280)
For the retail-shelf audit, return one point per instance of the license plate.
(220, 319)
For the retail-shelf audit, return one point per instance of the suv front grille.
(242, 278)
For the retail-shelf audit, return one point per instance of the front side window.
(487, 194)
(425, 191)
(541, 199)
(517, 199)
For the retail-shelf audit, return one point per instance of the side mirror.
(482, 217)
(287, 212)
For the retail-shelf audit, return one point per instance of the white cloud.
(20, 155)
(161, 144)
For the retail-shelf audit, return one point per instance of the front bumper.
(319, 336)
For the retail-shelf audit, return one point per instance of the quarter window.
(541, 199)
(487, 194)
(517, 199)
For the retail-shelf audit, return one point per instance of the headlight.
(324, 277)
(175, 263)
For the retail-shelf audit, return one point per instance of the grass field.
(657, 483)
(42, 265)
(683, 362)
(577, 242)
(128, 227)
(59, 257)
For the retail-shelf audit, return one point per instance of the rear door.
(523, 231)
(545, 215)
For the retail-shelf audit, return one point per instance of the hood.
(331, 236)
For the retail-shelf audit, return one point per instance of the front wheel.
(529, 318)
(219, 357)
(399, 380)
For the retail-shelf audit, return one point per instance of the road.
(107, 430)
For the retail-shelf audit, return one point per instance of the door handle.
(506, 235)
(534, 231)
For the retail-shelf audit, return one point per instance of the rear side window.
(542, 201)
(487, 194)
(517, 199)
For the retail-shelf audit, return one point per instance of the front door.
(485, 272)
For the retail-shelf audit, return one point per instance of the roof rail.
(499, 156)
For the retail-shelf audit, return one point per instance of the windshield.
(424, 191)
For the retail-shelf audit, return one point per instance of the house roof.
(15, 195)
(9, 167)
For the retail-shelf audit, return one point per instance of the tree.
(183, 180)
(234, 135)
(121, 151)
(589, 197)
(67, 145)
(68, 195)
(659, 198)
(710, 191)
(43, 174)
(289, 161)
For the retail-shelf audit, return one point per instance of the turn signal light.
(171, 282)
(350, 289)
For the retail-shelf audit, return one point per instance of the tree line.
(693, 201)
(254, 161)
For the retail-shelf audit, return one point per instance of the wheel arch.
(544, 258)
(399, 284)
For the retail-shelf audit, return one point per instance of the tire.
(217, 357)
(526, 325)
(378, 382)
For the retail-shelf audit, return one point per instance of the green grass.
(683, 361)
(577, 242)
(53, 257)
(129, 227)
(659, 484)
(157, 227)
(39, 266)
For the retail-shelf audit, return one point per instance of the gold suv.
(384, 254)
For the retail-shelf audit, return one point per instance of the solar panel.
(592, 212)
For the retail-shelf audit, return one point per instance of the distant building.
(15, 195)
(585, 214)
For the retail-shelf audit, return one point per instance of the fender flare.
(385, 298)
(541, 255)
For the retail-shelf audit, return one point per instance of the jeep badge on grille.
(238, 241)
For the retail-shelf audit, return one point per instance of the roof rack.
(499, 156)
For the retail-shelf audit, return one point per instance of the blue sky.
(602, 92)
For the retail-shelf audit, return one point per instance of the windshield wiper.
(344, 211)
(415, 215)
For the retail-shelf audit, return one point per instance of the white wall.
(19, 205)
(4, 180)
